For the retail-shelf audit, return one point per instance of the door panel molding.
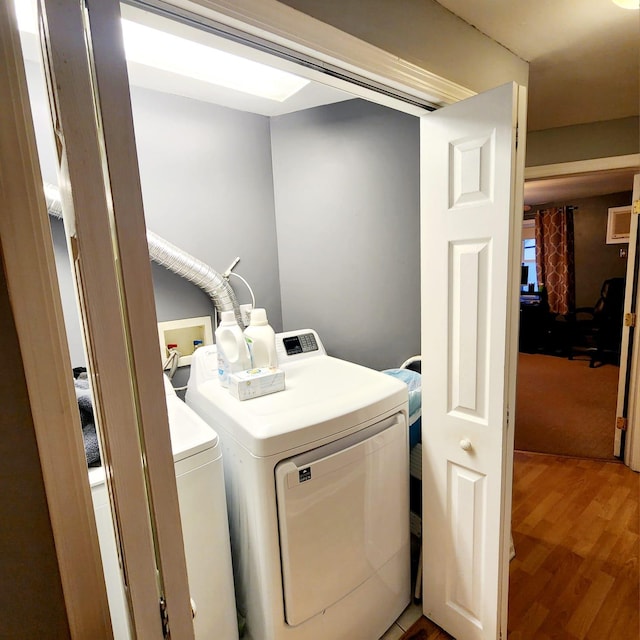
(465, 513)
(468, 273)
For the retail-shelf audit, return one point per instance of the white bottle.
(261, 340)
(233, 353)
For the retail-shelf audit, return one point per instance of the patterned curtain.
(555, 258)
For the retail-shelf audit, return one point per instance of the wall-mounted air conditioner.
(618, 224)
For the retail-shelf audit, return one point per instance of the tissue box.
(253, 383)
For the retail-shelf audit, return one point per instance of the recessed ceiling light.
(628, 4)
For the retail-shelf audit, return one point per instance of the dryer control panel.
(298, 345)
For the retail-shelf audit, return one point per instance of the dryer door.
(343, 513)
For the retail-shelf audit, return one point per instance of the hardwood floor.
(575, 528)
(424, 629)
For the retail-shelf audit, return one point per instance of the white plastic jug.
(233, 353)
(261, 339)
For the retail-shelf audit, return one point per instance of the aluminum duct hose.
(175, 259)
(196, 271)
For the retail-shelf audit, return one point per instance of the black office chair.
(597, 330)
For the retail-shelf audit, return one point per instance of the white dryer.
(200, 481)
(317, 481)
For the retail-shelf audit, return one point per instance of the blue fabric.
(413, 380)
(415, 433)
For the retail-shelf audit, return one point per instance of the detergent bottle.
(233, 353)
(261, 339)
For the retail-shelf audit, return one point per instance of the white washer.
(317, 481)
(200, 480)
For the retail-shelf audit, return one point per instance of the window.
(529, 278)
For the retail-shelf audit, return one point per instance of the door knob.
(466, 445)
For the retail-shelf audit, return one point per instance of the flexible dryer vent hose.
(175, 259)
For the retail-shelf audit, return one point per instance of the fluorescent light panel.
(161, 50)
(26, 14)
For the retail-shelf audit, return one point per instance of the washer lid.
(323, 396)
(190, 434)
(96, 476)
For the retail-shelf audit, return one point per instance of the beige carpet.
(564, 407)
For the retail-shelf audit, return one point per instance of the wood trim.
(89, 233)
(630, 161)
(139, 306)
(287, 27)
(36, 305)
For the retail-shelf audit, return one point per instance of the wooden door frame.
(35, 300)
(89, 99)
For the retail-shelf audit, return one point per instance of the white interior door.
(471, 212)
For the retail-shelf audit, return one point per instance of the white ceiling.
(584, 55)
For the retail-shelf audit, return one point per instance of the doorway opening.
(571, 521)
(571, 318)
(211, 171)
(467, 257)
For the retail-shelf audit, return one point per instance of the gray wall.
(347, 199)
(583, 142)
(348, 171)
(207, 187)
(595, 259)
